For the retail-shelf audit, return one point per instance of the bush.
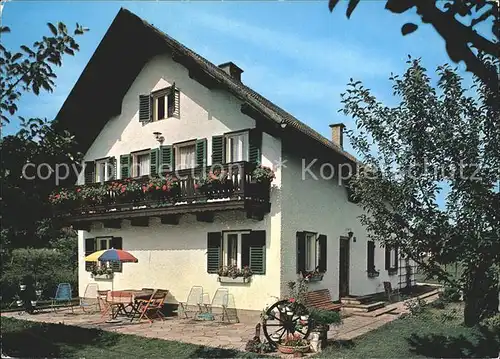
(492, 323)
(325, 317)
(416, 306)
(450, 295)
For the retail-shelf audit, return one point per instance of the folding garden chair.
(102, 296)
(152, 308)
(63, 296)
(193, 302)
(219, 303)
(90, 297)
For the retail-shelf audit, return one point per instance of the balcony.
(232, 187)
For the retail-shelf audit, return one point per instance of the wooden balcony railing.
(238, 186)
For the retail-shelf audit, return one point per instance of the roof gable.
(125, 48)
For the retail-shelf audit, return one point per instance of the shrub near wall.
(44, 268)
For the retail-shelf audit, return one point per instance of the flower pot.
(275, 337)
(38, 292)
(33, 303)
(102, 276)
(19, 303)
(285, 349)
(304, 318)
(22, 287)
(289, 313)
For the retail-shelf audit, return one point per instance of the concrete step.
(364, 307)
(357, 300)
(378, 312)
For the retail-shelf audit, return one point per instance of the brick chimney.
(338, 134)
(232, 70)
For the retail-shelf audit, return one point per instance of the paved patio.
(207, 333)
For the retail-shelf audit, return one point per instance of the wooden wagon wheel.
(283, 318)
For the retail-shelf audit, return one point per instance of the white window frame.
(225, 247)
(135, 163)
(155, 99)
(230, 137)
(312, 251)
(392, 259)
(98, 246)
(98, 175)
(177, 148)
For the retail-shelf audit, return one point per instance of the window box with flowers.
(64, 199)
(93, 195)
(216, 184)
(263, 175)
(313, 276)
(233, 274)
(161, 189)
(101, 272)
(128, 191)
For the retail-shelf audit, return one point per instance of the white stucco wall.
(321, 206)
(174, 256)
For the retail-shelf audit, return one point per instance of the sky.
(295, 53)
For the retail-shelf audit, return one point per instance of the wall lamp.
(159, 137)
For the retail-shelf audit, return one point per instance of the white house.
(145, 101)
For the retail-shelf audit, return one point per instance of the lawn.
(30, 339)
(436, 333)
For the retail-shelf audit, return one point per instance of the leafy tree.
(456, 22)
(438, 141)
(24, 195)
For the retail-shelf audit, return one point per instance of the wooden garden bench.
(321, 299)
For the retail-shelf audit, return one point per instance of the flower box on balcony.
(102, 276)
(234, 280)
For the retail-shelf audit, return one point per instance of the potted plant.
(38, 289)
(232, 274)
(321, 320)
(263, 174)
(293, 343)
(18, 300)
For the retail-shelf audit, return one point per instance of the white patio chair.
(219, 303)
(90, 297)
(193, 302)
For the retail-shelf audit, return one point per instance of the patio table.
(123, 299)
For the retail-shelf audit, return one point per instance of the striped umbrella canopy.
(111, 255)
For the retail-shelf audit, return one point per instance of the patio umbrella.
(111, 255)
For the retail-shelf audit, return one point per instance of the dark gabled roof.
(126, 47)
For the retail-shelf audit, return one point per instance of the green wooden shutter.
(111, 168)
(301, 252)
(214, 249)
(145, 108)
(166, 158)
(257, 252)
(201, 152)
(387, 257)
(396, 257)
(370, 262)
(218, 151)
(255, 146)
(173, 99)
(154, 161)
(89, 172)
(89, 249)
(125, 166)
(116, 243)
(322, 253)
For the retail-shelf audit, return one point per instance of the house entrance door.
(344, 267)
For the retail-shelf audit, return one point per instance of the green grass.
(435, 333)
(31, 339)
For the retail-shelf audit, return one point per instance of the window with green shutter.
(214, 252)
(173, 101)
(90, 247)
(89, 172)
(391, 259)
(201, 152)
(370, 260)
(145, 104)
(218, 150)
(255, 146)
(166, 158)
(322, 260)
(312, 253)
(111, 175)
(154, 161)
(253, 251)
(301, 252)
(125, 163)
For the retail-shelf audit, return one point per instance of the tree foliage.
(438, 142)
(456, 21)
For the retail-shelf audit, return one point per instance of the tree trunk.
(481, 296)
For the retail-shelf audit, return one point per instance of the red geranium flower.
(291, 300)
(164, 187)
